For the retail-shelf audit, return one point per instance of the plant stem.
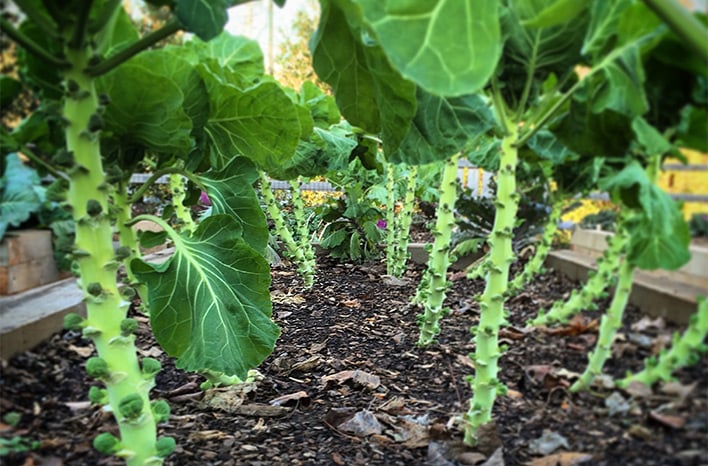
(611, 322)
(303, 231)
(683, 23)
(291, 246)
(485, 384)
(138, 46)
(77, 39)
(390, 219)
(403, 223)
(439, 260)
(30, 46)
(607, 267)
(534, 266)
(183, 213)
(126, 234)
(97, 265)
(683, 351)
(39, 161)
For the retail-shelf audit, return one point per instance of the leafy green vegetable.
(20, 193)
(461, 37)
(210, 302)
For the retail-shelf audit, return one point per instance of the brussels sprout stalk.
(485, 383)
(184, 215)
(435, 281)
(611, 322)
(305, 263)
(97, 266)
(685, 350)
(303, 231)
(594, 287)
(535, 265)
(398, 226)
(391, 200)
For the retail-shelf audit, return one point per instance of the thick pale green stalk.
(391, 198)
(281, 229)
(439, 259)
(303, 231)
(485, 383)
(184, 215)
(685, 350)
(594, 287)
(611, 322)
(97, 264)
(128, 238)
(534, 266)
(403, 224)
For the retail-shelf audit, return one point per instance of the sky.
(251, 20)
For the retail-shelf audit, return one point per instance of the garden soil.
(346, 385)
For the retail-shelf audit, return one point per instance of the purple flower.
(204, 198)
(381, 224)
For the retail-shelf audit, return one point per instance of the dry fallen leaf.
(363, 378)
(562, 459)
(83, 351)
(669, 420)
(291, 399)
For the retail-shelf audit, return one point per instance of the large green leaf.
(605, 16)
(443, 126)
(231, 192)
(558, 12)
(205, 18)
(169, 62)
(324, 151)
(42, 76)
(448, 47)
(19, 193)
(241, 55)
(532, 54)
(146, 109)
(659, 236)
(210, 302)
(546, 146)
(260, 122)
(323, 107)
(370, 93)
(618, 81)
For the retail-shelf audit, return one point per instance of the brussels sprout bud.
(73, 321)
(123, 252)
(95, 123)
(63, 157)
(72, 86)
(94, 289)
(56, 192)
(114, 174)
(107, 444)
(97, 368)
(151, 366)
(165, 446)
(104, 99)
(93, 208)
(128, 326)
(131, 406)
(97, 395)
(128, 293)
(94, 60)
(160, 410)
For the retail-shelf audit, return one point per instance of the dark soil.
(400, 407)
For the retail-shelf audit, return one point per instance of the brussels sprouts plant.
(202, 110)
(513, 90)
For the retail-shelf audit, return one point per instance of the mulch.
(346, 385)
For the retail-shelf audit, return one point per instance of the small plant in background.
(398, 220)
(698, 225)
